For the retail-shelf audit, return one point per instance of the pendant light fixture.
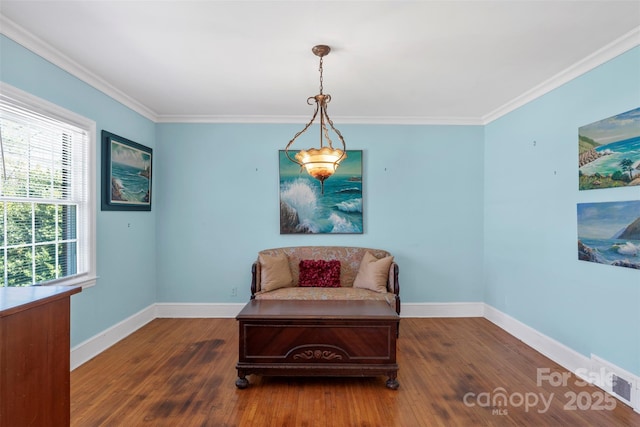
(320, 162)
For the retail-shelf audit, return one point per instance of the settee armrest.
(393, 284)
(255, 279)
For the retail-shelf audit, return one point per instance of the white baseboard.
(442, 309)
(90, 348)
(581, 365)
(545, 345)
(95, 345)
(554, 350)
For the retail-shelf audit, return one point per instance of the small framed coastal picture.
(126, 174)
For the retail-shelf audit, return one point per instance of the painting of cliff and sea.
(303, 207)
(609, 152)
(609, 233)
(126, 181)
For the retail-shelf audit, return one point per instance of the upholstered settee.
(326, 273)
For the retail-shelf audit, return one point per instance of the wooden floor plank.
(182, 372)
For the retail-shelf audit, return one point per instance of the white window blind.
(45, 194)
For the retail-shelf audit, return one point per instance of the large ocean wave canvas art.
(609, 152)
(609, 233)
(304, 209)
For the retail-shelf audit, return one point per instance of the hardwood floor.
(181, 372)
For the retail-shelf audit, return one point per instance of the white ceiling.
(391, 61)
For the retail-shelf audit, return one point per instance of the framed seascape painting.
(126, 174)
(609, 152)
(609, 233)
(305, 210)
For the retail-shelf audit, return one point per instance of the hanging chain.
(320, 75)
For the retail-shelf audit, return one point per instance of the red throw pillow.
(319, 273)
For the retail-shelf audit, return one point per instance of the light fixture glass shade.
(321, 163)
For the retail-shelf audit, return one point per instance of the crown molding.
(599, 57)
(410, 120)
(360, 120)
(56, 57)
(231, 119)
(46, 51)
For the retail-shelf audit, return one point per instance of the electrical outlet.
(234, 291)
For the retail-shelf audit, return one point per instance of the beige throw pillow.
(373, 273)
(275, 272)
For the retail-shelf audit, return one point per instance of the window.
(47, 187)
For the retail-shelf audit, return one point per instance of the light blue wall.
(531, 191)
(126, 256)
(423, 191)
(471, 213)
(215, 204)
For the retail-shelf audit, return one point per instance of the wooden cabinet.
(35, 356)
